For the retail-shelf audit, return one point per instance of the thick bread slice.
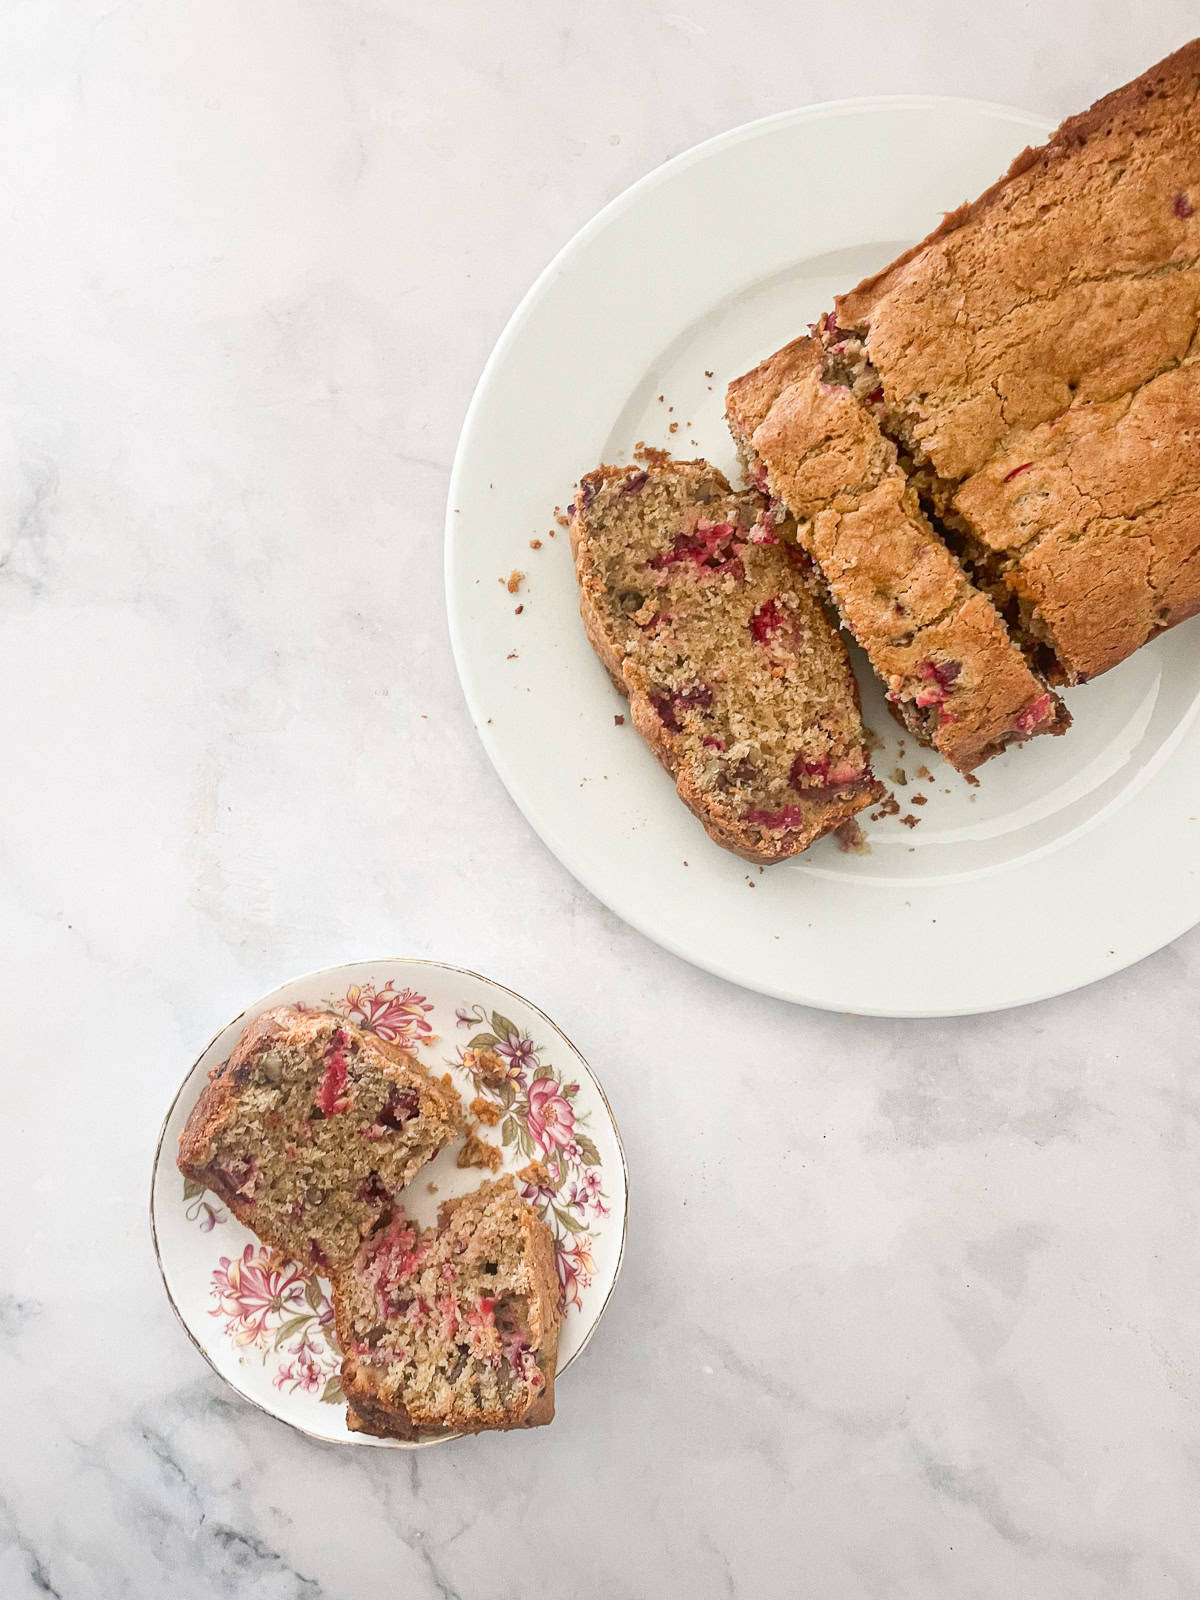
(712, 625)
(951, 670)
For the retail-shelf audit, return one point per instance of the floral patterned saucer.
(266, 1325)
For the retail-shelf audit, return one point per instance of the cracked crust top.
(1097, 518)
(1075, 278)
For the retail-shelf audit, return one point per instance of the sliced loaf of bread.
(951, 671)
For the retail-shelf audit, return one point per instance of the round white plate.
(266, 1326)
(1072, 858)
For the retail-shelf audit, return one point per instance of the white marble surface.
(922, 1323)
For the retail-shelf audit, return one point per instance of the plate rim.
(1036, 125)
(323, 972)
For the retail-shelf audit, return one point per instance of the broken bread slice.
(454, 1329)
(709, 619)
(309, 1130)
(953, 674)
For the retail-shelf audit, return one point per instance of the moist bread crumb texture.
(454, 1329)
(311, 1128)
(950, 669)
(710, 618)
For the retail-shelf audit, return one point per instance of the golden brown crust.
(1118, 106)
(614, 645)
(1073, 280)
(1097, 516)
(900, 591)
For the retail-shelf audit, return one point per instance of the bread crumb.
(900, 777)
(851, 839)
(971, 779)
(673, 427)
(909, 820)
(535, 544)
(537, 1174)
(487, 1064)
(489, 1112)
(432, 1188)
(515, 580)
(517, 610)
(919, 800)
(511, 656)
(924, 772)
(618, 720)
(707, 373)
(651, 455)
(477, 1152)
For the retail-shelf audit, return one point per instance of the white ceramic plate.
(265, 1326)
(1073, 858)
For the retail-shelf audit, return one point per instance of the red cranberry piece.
(670, 702)
(663, 704)
(942, 673)
(319, 1259)
(240, 1176)
(804, 771)
(769, 618)
(329, 1093)
(875, 398)
(371, 1190)
(785, 817)
(713, 744)
(587, 493)
(402, 1106)
(636, 484)
(1183, 207)
(1016, 472)
(710, 546)
(1034, 713)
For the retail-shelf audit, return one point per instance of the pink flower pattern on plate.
(272, 1305)
(398, 1015)
(540, 1124)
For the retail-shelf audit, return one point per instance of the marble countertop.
(928, 1330)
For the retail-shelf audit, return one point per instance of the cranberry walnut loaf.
(454, 1329)
(711, 624)
(1035, 359)
(309, 1130)
(951, 671)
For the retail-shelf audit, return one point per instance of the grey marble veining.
(910, 1310)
